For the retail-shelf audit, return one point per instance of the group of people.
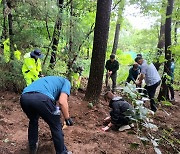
(140, 71)
(121, 110)
(41, 97)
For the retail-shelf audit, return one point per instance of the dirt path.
(85, 137)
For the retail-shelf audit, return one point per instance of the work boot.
(153, 107)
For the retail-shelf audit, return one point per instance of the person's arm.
(140, 78)
(107, 65)
(64, 105)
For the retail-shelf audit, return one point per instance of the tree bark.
(99, 50)
(164, 87)
(175, 32)
(4, 31)
(160, 45)
(10, 24)
(56, 34)
(118, 25)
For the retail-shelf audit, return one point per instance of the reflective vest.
(76, 80)
(31, 69)
(17, 54)
(6, 50)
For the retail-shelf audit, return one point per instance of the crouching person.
(39, 100)
(119, 115)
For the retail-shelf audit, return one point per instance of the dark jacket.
(112, 66)
(133, 74)
(120, 110)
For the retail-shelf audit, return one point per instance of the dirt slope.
(85, 137)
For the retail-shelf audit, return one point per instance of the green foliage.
(11, 77)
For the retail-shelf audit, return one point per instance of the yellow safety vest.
(6, 50)
(17, 54)
(76, 80)
(31, 69)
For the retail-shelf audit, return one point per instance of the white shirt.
(150, 72)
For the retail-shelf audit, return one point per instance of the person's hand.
(107, 118)
(105, 128)
(69, 122)
(138, 82)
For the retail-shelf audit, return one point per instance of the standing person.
(112, 66)
(39, 99)
(170, 85)
(152, 79)
(31, 68)
(120, 110)
(134, 71)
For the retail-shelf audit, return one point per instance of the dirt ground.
(85, 137)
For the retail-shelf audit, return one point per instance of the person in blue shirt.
(170, 86)
(134, 71)
(39, 100)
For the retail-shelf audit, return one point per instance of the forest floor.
(85, 137)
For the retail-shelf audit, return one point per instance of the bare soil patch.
(85, 137)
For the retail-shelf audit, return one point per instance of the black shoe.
(153, 108)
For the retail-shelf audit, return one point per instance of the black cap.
(36, 53)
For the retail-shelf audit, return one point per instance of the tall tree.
(164, 87)
(4, 31)
(10, 24)
(99, 50)
(56, 33)
(118, 24)
(160, 45)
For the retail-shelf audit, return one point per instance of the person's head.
(36, 54)
(108, 96)
(135, 66)
(112, 57)
(172, 59)
(139, 55)
(139, 60)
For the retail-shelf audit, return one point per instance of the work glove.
(69, 122)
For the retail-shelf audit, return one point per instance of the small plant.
(142, 118)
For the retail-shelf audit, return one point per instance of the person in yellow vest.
(31, 68)
(6, 44)
(76, 78)
(17, 53)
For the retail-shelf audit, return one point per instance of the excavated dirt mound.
(85, 137)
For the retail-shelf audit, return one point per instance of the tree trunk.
(56, 34)
(160, 45)
(116, 38)
(99, 50)
(164, 87)
(118, 25)
(4, 31)
(175, 31)
(10, 24)
(71, 55)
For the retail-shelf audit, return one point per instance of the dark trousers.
(151, 90)
(35, 105)
(113, 78)
(121, 121)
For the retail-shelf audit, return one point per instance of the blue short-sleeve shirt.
(52, 86)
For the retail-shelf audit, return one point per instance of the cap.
(36, 53)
